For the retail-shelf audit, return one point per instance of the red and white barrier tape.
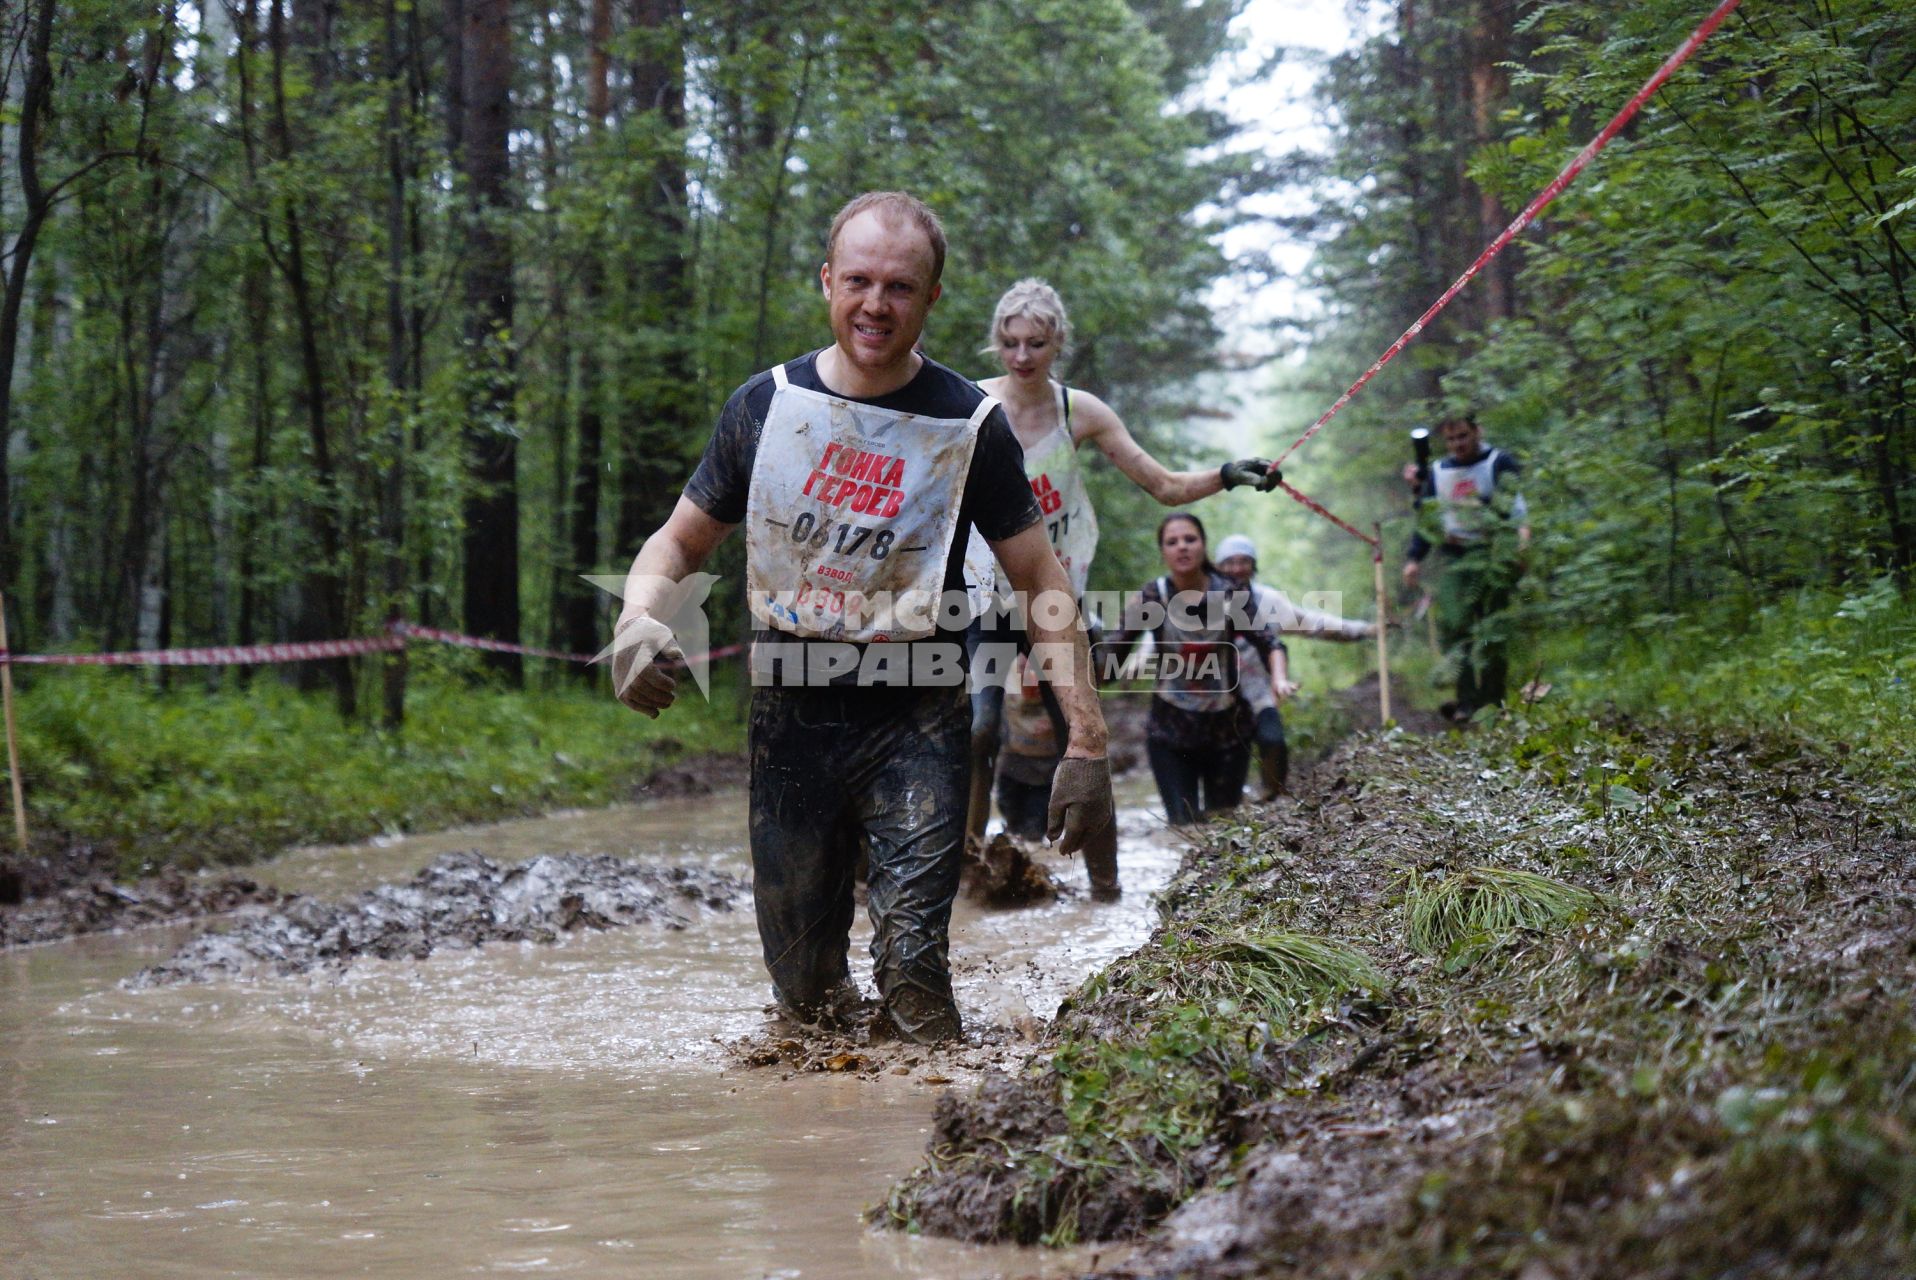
(218, 656)
(1530, 211)
(464, 641)
(306, 651)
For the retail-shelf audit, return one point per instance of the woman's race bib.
(850, 515)
(1057, 483)
(1070, 524)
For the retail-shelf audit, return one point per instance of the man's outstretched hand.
(1260, 473)
(639, 646)
(1080, 802)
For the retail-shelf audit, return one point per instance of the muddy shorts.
(840, 774)
(1024, 793)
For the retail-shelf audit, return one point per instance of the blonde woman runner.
(1029, 332)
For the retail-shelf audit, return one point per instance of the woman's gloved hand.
(1260, 473)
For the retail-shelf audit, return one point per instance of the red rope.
(1376, 544)
(1522, 220)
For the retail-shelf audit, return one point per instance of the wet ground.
(1561, 998)
(561, 1106)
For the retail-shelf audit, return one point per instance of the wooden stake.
(13, 737)
(1383, 618)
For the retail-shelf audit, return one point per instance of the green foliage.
(1837, 669)
(215, 378)
(200, 777)
(1705, 364)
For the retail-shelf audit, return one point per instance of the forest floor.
(1555, 998)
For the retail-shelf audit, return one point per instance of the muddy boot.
(921, 1017)
(1101, 864)
(838, 1011)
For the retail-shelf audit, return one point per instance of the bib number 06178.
(851, 537)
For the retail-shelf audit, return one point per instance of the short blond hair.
(894, 207)
(1033, 300)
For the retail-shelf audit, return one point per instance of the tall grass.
(1281, 972)
(1450, 908)
(1838, 669)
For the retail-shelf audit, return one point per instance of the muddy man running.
(860, 472)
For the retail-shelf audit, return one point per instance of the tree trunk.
(392, 503)
(323, 611)
(1489, 86)
(35, 103)
(659, 421)
(578, 602)
(491, 577)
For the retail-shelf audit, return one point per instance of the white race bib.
(1064, 505)
(850, 515)
(1070, 524)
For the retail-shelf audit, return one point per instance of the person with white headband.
(1262, 689)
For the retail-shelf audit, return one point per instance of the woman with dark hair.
(1199, 733)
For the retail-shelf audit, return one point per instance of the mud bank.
(95, 903)
(462, 900)
(1556, 999)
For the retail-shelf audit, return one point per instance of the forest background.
(320, 314)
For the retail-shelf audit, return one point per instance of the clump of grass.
(1452, 908)
(1280, 971)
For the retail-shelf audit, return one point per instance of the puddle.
(521, 1108)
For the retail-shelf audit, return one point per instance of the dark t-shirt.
(997, 497)
(1177, 727)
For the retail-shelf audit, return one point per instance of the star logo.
(680, 606)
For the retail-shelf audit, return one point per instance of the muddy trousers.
(1023, 804)
(988, 657)
(1473, 623)
(839, 775)
(1273, 753)
(1196, 783)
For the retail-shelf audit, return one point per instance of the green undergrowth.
(197, 777)
(1835, 670)
(1565, 995)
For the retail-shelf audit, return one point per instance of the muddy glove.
(638, 647)
(1259, 473)
(1080, 802)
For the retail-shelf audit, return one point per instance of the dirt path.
(78, 896)
(1559, 999)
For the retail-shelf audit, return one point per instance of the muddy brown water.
(518, 1109)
